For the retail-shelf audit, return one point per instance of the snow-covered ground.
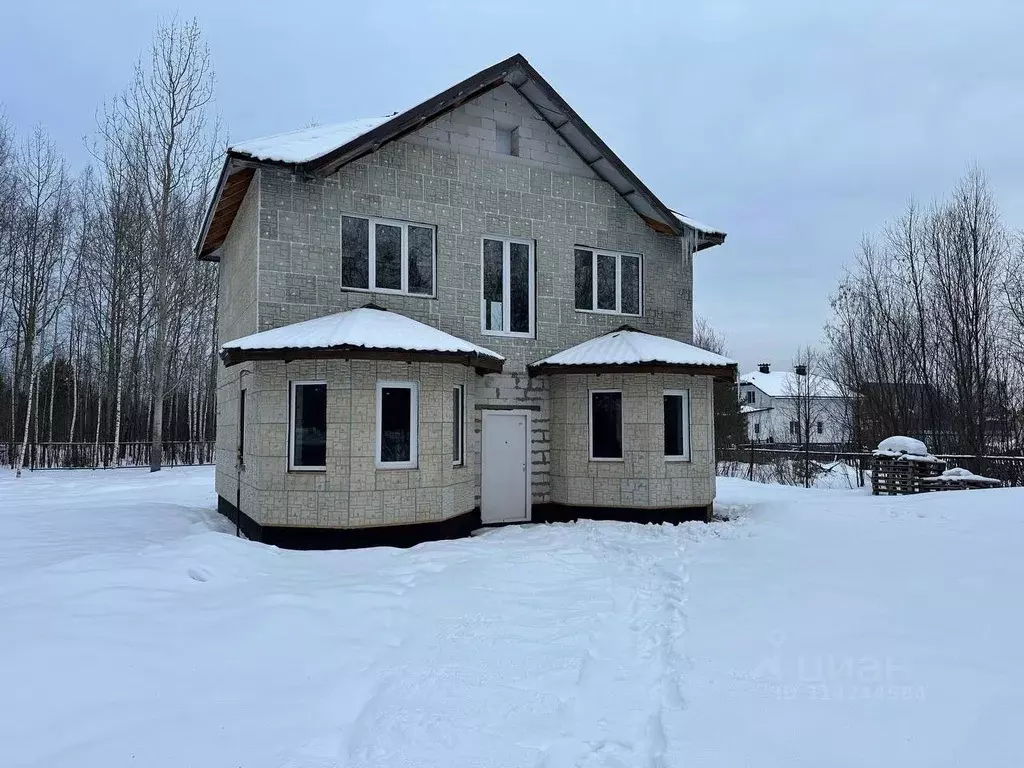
(815, 628)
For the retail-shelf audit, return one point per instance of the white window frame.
(590, 425)
(506, 293)
(460, 426)
(414, 418)
(292, 466)
(594, 253)
(372, 256)
(687, 445)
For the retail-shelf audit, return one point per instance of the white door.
(505, 484)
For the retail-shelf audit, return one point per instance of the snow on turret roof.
(628, 346)
(368, 328)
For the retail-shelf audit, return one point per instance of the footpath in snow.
(816, 628)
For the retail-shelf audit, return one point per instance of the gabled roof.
(788, 384)
(366, 333)
(629, 349)
(323, 150)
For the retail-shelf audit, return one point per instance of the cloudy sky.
(795, 126)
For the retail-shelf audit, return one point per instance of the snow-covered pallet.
(902, 475)
(959, 479)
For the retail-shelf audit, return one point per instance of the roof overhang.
(514, 71)
(483, 364)
(725, 373)
(232, 186)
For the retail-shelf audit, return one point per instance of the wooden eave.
(231, 191)
(481, 363)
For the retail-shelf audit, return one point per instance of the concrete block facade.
(453, 175)
(353, 492)
(644, 478)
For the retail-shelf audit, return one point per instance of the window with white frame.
(307, 427)
(507, 283)
(458, 424)
(750, 396)
(609, 282)
(386, 255)
(677, 425)
(397, 418)
(605, 424)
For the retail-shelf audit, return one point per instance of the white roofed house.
(794, 407)
(470, 312)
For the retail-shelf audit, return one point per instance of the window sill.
(607, 312)
(677, 459)
(389, 291)
(507, 334)
(607, 459)
(307, 470)
(397, 465)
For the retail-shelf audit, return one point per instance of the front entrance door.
(505, 484)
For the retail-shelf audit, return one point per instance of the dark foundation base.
(297, 537)
(566, 513)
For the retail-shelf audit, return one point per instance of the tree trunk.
(159, 382)
(28, 410)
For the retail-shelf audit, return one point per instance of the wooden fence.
(101, 455)
(796, 467)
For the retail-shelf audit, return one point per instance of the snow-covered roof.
(693, 223)
(346, 333)
(789, 384)
(308, 144)
(324, 149)
(748, 409)
(628, 346)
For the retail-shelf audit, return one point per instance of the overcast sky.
(794, 126)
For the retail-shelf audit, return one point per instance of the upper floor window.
(750, 396)
(385, 255)
(507, 307)
(608, 282)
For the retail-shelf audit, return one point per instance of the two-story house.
(471, 312)
(795, 407)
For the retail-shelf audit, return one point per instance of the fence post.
(750, 471)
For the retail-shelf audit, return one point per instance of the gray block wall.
(450, 174)
(236, 317)
(352, 492)
(643, 478)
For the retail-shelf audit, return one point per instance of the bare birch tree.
(166, 111)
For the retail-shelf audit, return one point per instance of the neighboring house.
(469, 312)
(786, 406)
